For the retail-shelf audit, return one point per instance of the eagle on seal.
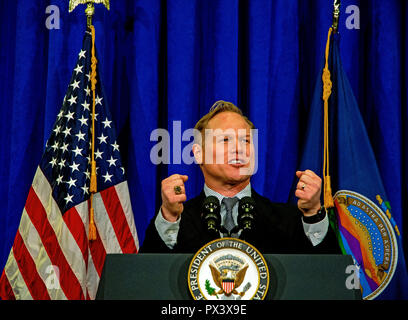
(237, 281)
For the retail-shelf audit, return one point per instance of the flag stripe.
(69, 282)
(39, 255)
(83, 213)
(122, 190)
(95, 247)
(92, 279)
(6, 291)
(77, 229)
(104, 226)
(66, 241)
(98, 253)
(28, 270)
(15, 279)
(118, 220)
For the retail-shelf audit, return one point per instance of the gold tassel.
(327, 90)
(328, 195)
(92, 226)
(93, 186)
(93, 182)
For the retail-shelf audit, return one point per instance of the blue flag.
(361, 216)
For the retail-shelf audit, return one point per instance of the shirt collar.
(246, 192)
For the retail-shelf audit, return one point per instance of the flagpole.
(327, 91)
(336, 15)
(89, 12)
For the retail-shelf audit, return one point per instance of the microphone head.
(246, 213)
(210, 214)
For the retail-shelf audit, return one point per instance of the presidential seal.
(228, 269)
(367, 233)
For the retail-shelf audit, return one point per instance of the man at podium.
(229, 206)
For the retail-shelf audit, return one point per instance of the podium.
(164, 277)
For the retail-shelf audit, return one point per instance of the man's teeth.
(235, 161)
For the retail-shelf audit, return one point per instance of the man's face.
(228, 153)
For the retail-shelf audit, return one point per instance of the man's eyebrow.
(229, 134)
(224, 134)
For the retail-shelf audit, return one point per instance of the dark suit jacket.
(279, 229)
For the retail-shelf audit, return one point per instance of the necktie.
(229, 220)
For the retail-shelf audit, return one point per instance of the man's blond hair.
(218, 107)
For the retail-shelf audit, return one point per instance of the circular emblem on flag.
(367, 235)
(228, 269)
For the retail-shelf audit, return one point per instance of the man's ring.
(177, 190)
(303, 186)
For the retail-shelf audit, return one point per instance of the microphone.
(246, 215)
(210, 215)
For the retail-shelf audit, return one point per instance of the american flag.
(51, 257)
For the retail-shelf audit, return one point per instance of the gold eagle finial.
(74, 3)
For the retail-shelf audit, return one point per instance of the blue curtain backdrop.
(165, 61)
